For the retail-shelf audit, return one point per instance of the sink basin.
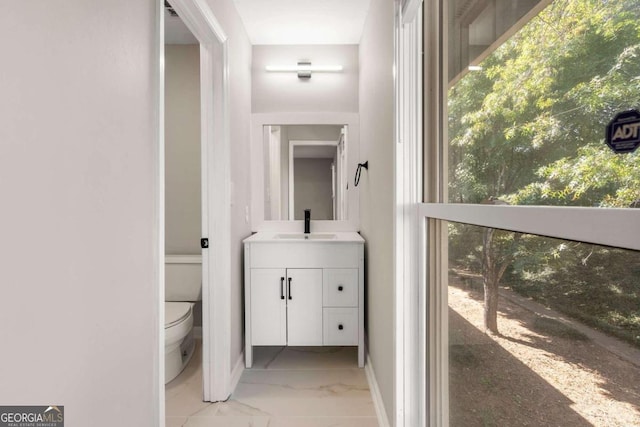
(302, 236)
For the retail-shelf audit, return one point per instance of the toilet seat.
(175, 313)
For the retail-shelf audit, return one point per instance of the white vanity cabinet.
(289, 311)
(304, 292)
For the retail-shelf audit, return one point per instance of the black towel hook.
(359, 170)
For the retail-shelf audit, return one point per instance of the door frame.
(216, 196)
(300, 143)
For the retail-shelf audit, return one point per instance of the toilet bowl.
(178, 338)
(183, 286)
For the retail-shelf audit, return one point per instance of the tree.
(498, 248)
(528, 128)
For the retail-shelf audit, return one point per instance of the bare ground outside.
(537, 372)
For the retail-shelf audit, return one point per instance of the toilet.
(183, 286)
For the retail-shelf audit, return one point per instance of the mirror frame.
(258, 121)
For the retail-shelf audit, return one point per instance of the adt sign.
(623, 132)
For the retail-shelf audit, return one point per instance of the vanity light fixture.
(304, 69)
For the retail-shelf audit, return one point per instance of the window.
(565, 330)
(527, 113)
(517, 100)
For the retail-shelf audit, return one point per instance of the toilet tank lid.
(183, 259)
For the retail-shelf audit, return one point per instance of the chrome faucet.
(307, 221)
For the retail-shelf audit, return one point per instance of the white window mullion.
(602, 226)
(409, 291)
(435, 321)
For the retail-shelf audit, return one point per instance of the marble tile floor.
(287, 387)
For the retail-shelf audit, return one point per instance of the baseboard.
(378, 404)
(197, 332)
(238, 369)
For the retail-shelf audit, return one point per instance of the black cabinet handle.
(290, 288)
(282, 288)
(340, 327)
(340, 288)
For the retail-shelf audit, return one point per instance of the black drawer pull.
(282, 288)
(340, 327)
(290, 288)
(340, 288)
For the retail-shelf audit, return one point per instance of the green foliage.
(592, 177)
(528, 129)
(545, 96)
(594, 284)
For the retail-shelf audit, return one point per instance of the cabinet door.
(268, 307)
(304, 306)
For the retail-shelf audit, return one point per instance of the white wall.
(78, 179)
(285, 92)
(183, 223)
(239, 54)
(376, 189)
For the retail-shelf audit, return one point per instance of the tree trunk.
(489, 282)
(494, 264)
(490, 304)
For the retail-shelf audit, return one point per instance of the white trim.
(216, 194)
(435, 246)
(363, 339)
(201, 21)
(398, 227)
(238, 369)
(602, 226)
(258, 121)
(435, 243)
(272, 139)
(410, 10)
(376, 396)
(248, 349)
(410, 299)
(159, 218)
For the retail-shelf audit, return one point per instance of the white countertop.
(289, 237)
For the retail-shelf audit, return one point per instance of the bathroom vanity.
(304, 290)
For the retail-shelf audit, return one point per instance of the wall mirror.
(304, 161)
(305, 168)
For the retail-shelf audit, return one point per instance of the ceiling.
(303, 21)
(287, 22)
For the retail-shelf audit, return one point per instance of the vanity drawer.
(340, 326)
(340, 287)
